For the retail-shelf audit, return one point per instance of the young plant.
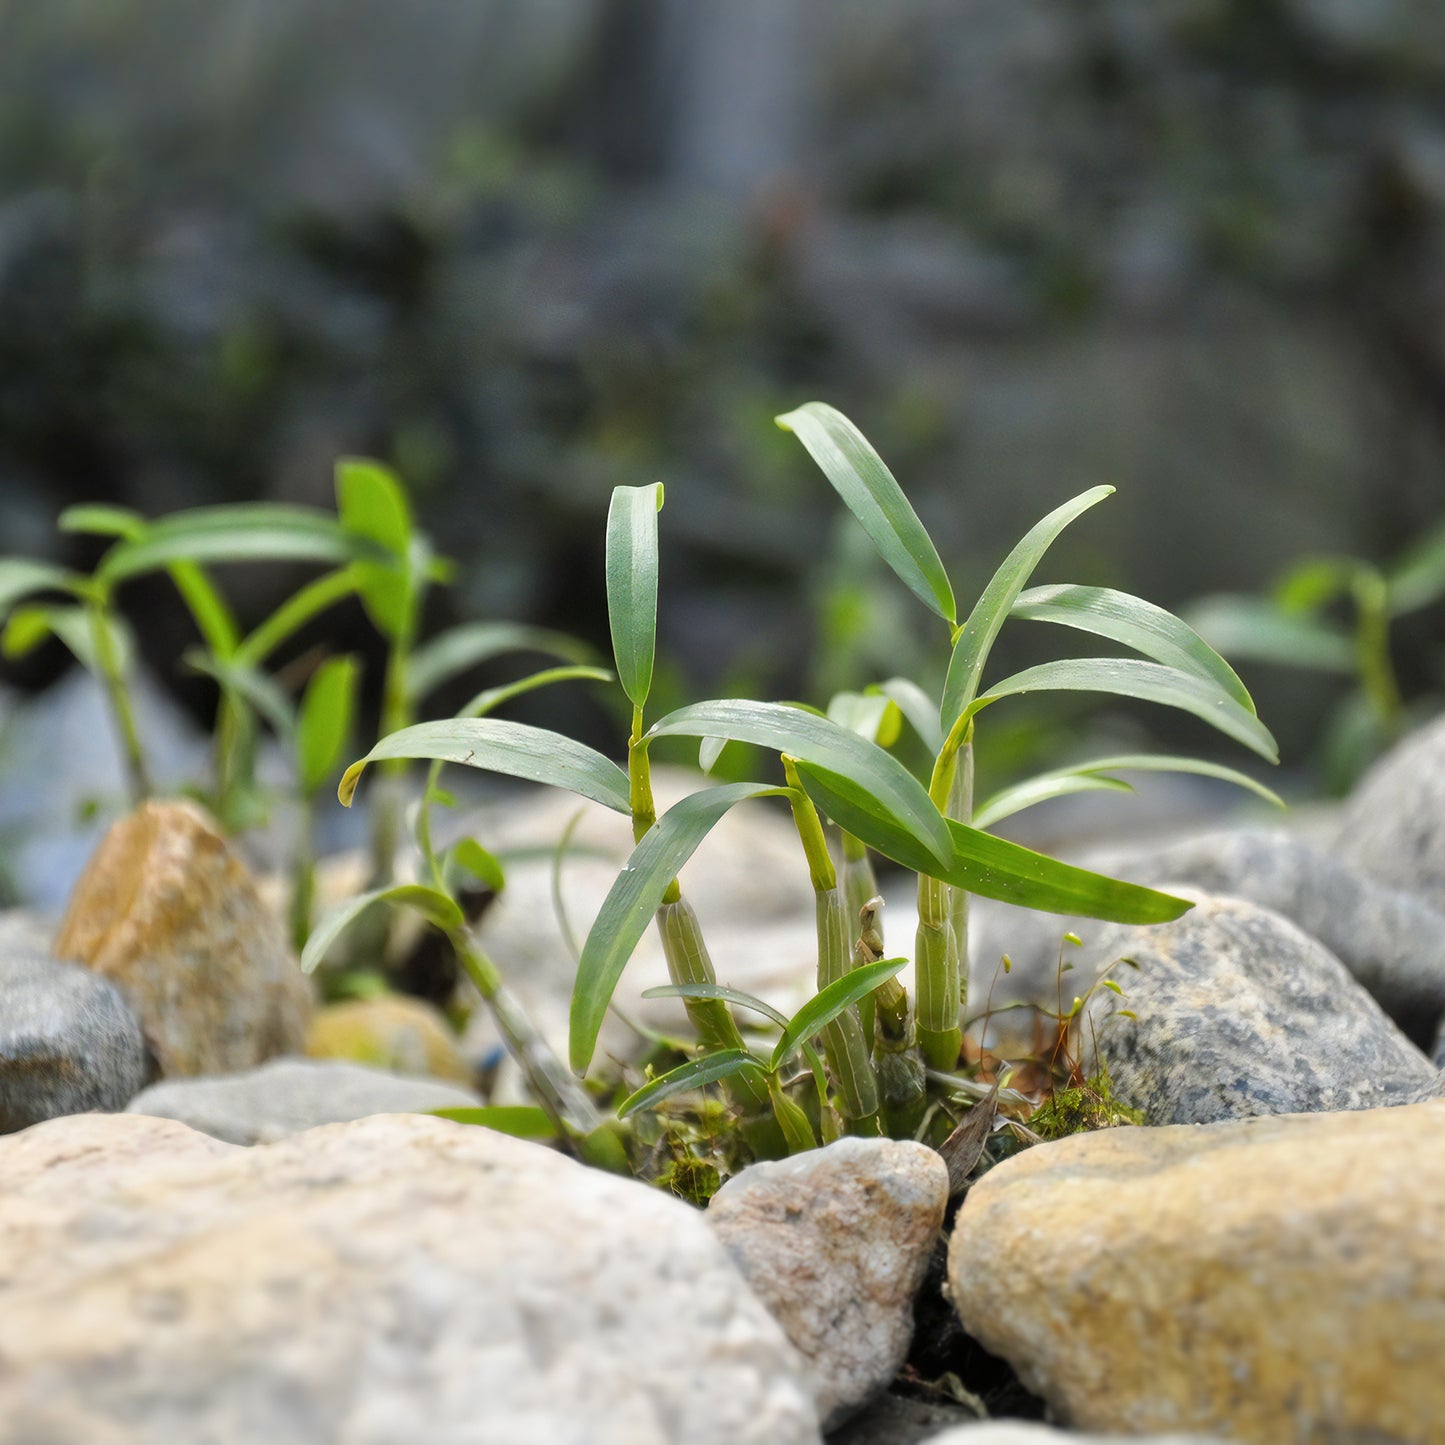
(1297, 623)
(871, 1073)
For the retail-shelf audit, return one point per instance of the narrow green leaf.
(976, 638)
(873, 496)
(1418, 577)
(293, 614)
(632, 585)
(521, 1121)
(101, 521)
(1080, 777)
(1258, 629)
(262, 693)
(483, 867)
(718, 990)
(491, 698)
(635, 897)
(1137, 624)
(19, 577)
(816, 740)
(29, 626)
(872, 715)
(512, 748)
(460, 648)
(993, 867)
(833, 1001)
(1148, 681)
(686, 1077)
(213, 618)
(266, 532)
(1042, 789)
(920, 710)
(372, 506)
(323, 720)
(434, 906)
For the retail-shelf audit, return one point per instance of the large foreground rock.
(1271, 1280)
(394, 1279)
(289, 1096)
(68, 1043)
(169, 914)
(1233, 1011)
(836, 1243)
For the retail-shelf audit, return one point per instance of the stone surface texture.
(1026, 1432)
(1237, 1012)
(1269, 1280)
(169, 914)
(1393, 826)
(1391, 940)
(398, 1278)
(68, 1042)
(394, 1032)
(287, 1096)
(836, 1243)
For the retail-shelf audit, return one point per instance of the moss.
(692, 1179)
(1077, 1110)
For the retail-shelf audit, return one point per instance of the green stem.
(843, 1043)
(937, 951)
(810, 831)
(117, 693)
(1372, 647)
(388, 796)
(303, 887)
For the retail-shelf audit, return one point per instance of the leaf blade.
(832, 1002)
(323, 720)
(436, 907)
(461, 648)
(632, 569)
(697, 1074)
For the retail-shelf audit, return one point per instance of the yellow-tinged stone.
(167, 912)
(389, 1032)
(1272, 1280)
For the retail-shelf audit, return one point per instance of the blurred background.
(527, 251)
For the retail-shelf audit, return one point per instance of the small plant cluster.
(864, 1055)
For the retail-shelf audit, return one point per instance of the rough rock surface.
(68, 1042)
(1022, 1432)
(1392, 941)
(1393, 826)
(393, 1031)
(286, 1096)
(397, 1278)
(836, 1243)
(1236, 1012)
(1268, 1279)
(169, 914)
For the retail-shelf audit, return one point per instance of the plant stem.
(843, 1043)
(860, 895)
(117, 693)
(938, 952)
(1372, 647)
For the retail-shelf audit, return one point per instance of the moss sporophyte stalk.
(864, 1054)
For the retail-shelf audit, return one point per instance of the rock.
(836, 1243)
(898, 1420)
(68, 1042)
(287, 1096)
(1021, 1432)
(389, 1032)
(1392, 941)
(1437, 1054)
(1393, 826)
(22, 931)
(1267, 1279)
(169, 914)
(1237, 1012)
(394, 1278)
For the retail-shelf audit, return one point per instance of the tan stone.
(168, 913)
(392, 1032)
(1272, 1279)
(394, 1279)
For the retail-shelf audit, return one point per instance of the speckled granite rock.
(68, 1042)
(398, 1278)
(1237, 1012)
(286, 1096)
(1393, 826)
(1392, 941)
(1267, 1280)
(836, 1243)
(170, 915)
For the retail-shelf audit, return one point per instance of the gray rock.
(1437, 1054)
(396, 1278)
(898, 1420)
(1023, 1432)
(836, 1243)
(1393, 826)
(68, 1042)
(287, 1096)
(1237, 1013)
(1392, 941)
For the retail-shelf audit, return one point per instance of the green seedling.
(1334, 615)
(870, 1068)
